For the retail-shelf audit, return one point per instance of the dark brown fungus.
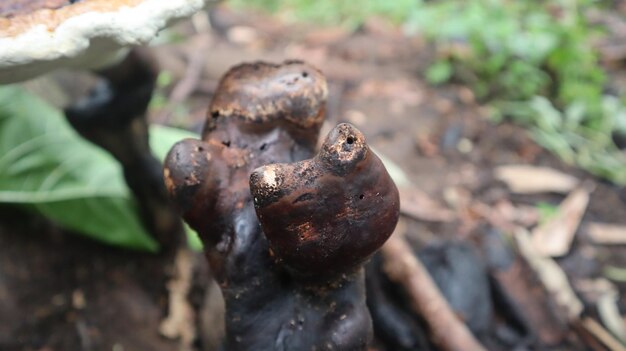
(269, 116)
(113, 116)
(257, 96)
(328, 214)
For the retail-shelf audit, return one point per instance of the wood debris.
(550, 274)
(598, 331)
(525, 179)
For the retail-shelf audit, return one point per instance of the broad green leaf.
(193, 239)
(163, 138)
(46, 166)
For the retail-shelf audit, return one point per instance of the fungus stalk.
(286, 230)
(113, 116)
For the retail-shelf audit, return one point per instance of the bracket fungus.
(39, 36)
(286, 230)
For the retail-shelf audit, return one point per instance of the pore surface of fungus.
(285, 230)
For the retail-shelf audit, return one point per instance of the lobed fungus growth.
(286, 231)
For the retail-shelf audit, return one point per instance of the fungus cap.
(38, 36)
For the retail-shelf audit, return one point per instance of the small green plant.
(345, 12)
(533, 61)
(515, 50)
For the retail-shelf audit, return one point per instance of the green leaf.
(546, 211)
(440, 72)
(163, 138)
(46, 166)
(193, 239)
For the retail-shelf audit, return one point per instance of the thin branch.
(602, 334)
(448, 332)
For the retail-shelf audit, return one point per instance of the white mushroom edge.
(89, 40)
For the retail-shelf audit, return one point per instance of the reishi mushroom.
(286, 231)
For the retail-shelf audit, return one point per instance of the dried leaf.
(608, 234)
(419, 205)
(554, 237)
(610, 316)
(551, 275)
(524, 179)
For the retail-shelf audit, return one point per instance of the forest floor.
(62, 292)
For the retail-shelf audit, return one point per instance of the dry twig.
(555, 281)
(179, 322)
(448, 332)
(601, 334)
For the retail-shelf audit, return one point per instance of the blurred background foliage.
(329, 12)
(533, 62)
